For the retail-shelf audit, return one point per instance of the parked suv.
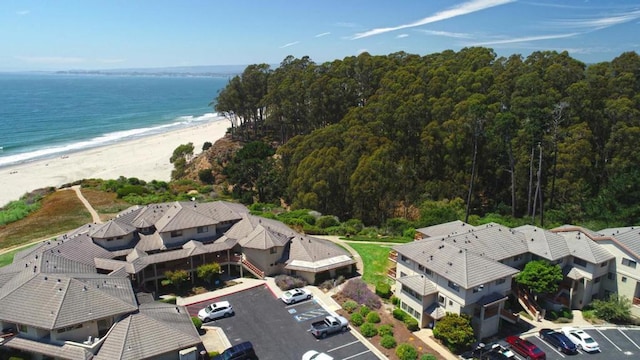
(525, 348)
(242, 351)
(216, 311)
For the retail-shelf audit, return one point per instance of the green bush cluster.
(428, 357)
(386, 329)
(368, 330)
(350, 306)
(383, 289)
(373, 317)
(17, 210)
(356, 319)
(395, 300)
(388, 342)
(406, 352)
(411, 323)
(196, 322)
(556, 315)
(364, 310)
(398, 314)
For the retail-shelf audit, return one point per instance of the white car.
(581, 339)
(216, 310)
(314, 355)
(294, 295)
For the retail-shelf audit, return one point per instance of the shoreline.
(145, 158)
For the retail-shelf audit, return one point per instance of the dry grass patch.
(61, 211)
(105, 203)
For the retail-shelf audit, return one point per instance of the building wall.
(186, 235)
(77, 334)
(266, 260)
(621, 279)
(126, 240)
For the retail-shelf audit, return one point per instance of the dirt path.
(92, 211)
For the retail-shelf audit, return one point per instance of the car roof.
(220, 304)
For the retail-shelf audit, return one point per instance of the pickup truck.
(330, 325)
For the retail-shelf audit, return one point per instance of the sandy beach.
(144, 158)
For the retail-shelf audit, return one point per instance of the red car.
(525, 348)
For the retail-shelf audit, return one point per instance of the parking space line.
(308, 315)
(356, 355)
(345, 345)
(628, 338)
(609, 340)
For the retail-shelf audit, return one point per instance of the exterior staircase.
(246, 264)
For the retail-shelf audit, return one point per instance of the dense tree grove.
(544, 137)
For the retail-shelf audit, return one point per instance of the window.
(624, 279)
(176, 233)
(203, 229)
(501, 281)
(453, 285)
(611, 276)
(411, 293)
(403, 258)
(604, 264)
(517, 258)
(273, 250)
(579, 262)
(420, 267)
(628, 262)
(441, 300)
(450, 302)
(22, 328)
(428, 272)
(597, 280)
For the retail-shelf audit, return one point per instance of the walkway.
(94, 214)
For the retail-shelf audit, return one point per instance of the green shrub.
(428, 357)
(395, 300)
(398, 314)
(356, 319)
(213, 353)
(411, 323)
(206, 176)
(383, 289)
(386, 329)
(373, 317)
(388, 342)
(169, 300)
(406, 352)
(196, 322)
(350, 306)
(368, 330)
(327, 221)
(364, 310)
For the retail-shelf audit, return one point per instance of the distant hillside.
(203, 70)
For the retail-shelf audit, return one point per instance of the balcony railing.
(636, 301)
(254, 269)
(393, 256)
(392, 273)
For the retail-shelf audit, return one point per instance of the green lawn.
(376, 261)
(7, 258)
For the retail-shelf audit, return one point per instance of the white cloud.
(402, 36)
(51, 59)
(289, 44)
(462, 9)
(525, 39)
(23, 12)
(323, 34)
(448, 34)
(601, 23)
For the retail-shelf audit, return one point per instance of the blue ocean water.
(46, 115)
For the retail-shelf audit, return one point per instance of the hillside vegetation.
(544, 137)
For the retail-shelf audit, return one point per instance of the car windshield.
(536, 350)
(589, 340)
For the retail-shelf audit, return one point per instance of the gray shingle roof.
(462, 267)
(544, 243)
(179, 217)
(65, 351)
(491, 240)
(52, 301)
(629, 238)
(308, 248)
(583, 247)
(419, 283)
(111, 229)
(171, 327)
(449, 228)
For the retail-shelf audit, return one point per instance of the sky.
(48, 35)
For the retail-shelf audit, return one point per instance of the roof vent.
(84, 288)
(45, 278)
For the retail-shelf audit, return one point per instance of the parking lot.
(279, 331)
(615, 343)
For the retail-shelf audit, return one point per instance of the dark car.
(558, 340)
(484, 352)
(242, 351)
(525, 348)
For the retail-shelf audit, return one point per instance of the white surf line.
(356, 355)
(609, 340)
(343, 346)
(628, 338)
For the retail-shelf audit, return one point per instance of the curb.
(218, 296)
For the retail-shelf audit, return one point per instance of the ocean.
(46, 115)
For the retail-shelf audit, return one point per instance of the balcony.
(636, 301)
(393, 256)
(392, 273)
